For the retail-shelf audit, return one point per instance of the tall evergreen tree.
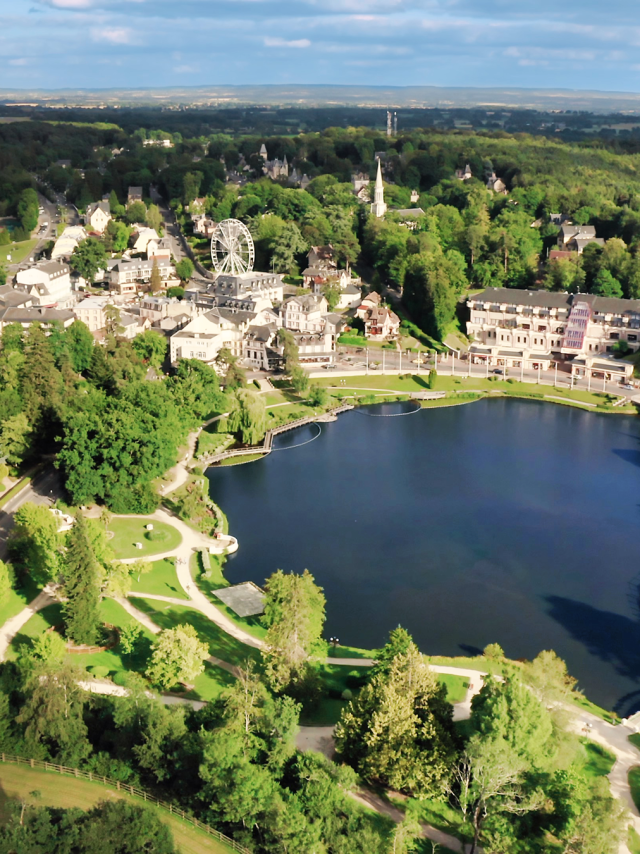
(81, 585)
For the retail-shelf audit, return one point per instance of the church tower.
(379, 208)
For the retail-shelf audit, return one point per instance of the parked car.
(329, 367)
(497, 371)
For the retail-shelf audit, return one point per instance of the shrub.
(511, 380)
(156, 536)
(120, 678)
(100, 671)
(205, 560)
(347, 694)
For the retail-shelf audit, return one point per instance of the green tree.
(299, 379)
(294, 613)
(80, 345)
(433, 378)
(116, 236)
(49, 649)
(249, 416)
(112, 320)
(52, 715)
(185, 269)
(154, 217)
(15, 438)
(178, 656)
(155, 281)
(88, 257)
(81, 585)
(318, 395)
(606, 285)
(130, 637)
(399, 730)
(286, 247)
(35, 543)
(136, 213)
(234, 375)
(151, 346)
(191, 183)
(28, 210)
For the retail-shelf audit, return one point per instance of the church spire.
(379, 208)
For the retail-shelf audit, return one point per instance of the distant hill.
(313, 96)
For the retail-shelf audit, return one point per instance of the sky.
(50, 44)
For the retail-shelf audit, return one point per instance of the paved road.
(45, 488)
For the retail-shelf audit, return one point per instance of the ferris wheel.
(232, 249)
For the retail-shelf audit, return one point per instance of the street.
(45, 488)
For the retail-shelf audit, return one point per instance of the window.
(614, 336)
(632, 337)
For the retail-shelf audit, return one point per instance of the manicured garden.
(129, 530)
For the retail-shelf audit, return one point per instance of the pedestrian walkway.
(11, 628)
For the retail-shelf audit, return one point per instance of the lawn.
(594, 760)
(161, 581)
(635, 739)
(113, 659)
(59, 790)
(221, 644)
(633, 841)
(18, 251)
(128, 530)
(335, 680)
(418, 382)
(634, 785)
(17, 600)
(456, 686)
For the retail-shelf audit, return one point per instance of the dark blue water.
(503, 520)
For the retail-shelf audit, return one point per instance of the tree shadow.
(472, 651)
(612, 638)
(628, 455)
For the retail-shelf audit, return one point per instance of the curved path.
(13, 625)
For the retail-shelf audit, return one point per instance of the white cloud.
(70, 4)
(21, 61)
(185, 69)
(276, 42)
(113, 35)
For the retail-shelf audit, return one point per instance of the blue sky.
(141, 43)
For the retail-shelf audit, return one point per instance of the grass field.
(129, 530)
(221, 644)
(635, 739)
(595, 760)
(161, 581)
(18, 251)
(210, 442)
(418, 382)
(456, 686)
(633, 841)
(58, 790)
(17, 600)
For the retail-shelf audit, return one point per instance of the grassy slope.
(57, 790)
(128, 531)
(16, 600)
(18, 251)
(161, 581)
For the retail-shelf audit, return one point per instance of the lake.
(508, 521)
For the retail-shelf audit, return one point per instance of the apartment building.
(508, 325)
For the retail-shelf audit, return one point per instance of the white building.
(91, 312)
(67, 242)
(208, 333)
(156, 308)
(378, 207)
(142, 238)
(49, 282)
(125, 275)
(304, 313)
(510, 325)
(98, 216)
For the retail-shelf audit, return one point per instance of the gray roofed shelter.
(246, 599)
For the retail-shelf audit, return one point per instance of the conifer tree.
(155, 282)
(81, 585)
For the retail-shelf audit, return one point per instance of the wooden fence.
(129, 790)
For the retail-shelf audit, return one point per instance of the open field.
(129, 530)
(58, 790)
(18, 251)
